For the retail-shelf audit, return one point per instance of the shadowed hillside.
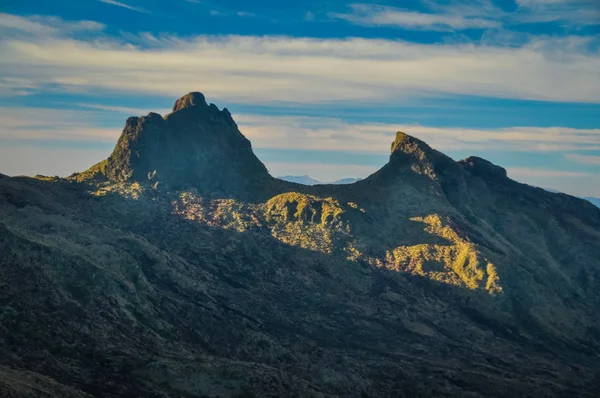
(179, 267)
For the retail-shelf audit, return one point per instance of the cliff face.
(180, 267)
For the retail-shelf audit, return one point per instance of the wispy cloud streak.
(583, 159)
(457, 15)
(314, 133)
(523, 172)
(376, 15)
(123, 5)
(307, 133)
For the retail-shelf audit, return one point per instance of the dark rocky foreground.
(179, 267)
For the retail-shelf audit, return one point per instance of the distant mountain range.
(179, 267)
(307, 180)
(594, 201)
(304, 180)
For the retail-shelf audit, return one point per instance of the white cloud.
(584, 159)
(124, 110)
(251, 69)
(30, 160)
(52, 124)
(572, 182)
(545, 4)
(303, 133)
(44, 25)
(523, 172)
(123, 5)
(15, 86)
(376, 15)
(457, 15)
(315, 133)
(538, 3)
(568, 12)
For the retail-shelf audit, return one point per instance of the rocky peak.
(483, 168)
(408, 144)
(189, 100)
(408, 147)
(409, 151)
(197, 145)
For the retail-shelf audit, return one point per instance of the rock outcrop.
(196, 146)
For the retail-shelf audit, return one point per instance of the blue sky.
(319, 87)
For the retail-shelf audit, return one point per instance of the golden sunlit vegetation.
(458, 264)
(314, 223)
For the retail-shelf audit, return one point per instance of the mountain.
(345, 181)
(304, 180)
(307, 180)
(196, 146)
(179, 267)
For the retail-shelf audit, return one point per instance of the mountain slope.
(179, 267)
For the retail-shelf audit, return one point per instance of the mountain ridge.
(184, 269)
(307, 180)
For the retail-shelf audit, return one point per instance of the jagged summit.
(483, 168)
(196, 146)
(411, 156)
(408, 147)
(407, 143)
(190, 99)
(421, 157)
